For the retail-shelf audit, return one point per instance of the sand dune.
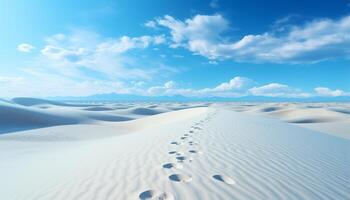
(24, 101)
(98, 108)
(15, 118)
(145, 111)
(329, 118)
(29, 113)
(342, 110)
(43, 103)
(197, 153)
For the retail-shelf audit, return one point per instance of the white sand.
(197, 153)
(329, 118)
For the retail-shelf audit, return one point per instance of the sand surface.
(173, 151)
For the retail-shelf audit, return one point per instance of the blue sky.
(195, 48)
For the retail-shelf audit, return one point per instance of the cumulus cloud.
(236, 87)
(324, 91)
(311, 42)
(24, 47)
(167, 88)
(277, 90)
(237, 83)
(200, 27)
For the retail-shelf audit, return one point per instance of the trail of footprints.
(188, 141)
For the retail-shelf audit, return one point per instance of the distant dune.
(145, 111)
(31, 113)
(15, 118)
(33, 101)
(315, 116)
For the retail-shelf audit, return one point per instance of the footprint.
(195, 151)
(179, 153)
(182, 159)
(183, 138)
(225, 179)
(180, 178)
(176, 143)
(155, 194)
(173, 165)
(192, 143)
(172, 152)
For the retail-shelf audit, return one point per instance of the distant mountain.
(179, 98)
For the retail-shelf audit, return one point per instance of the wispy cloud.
(85, 63)
(151, 24)
(109, 56)
(24, 47)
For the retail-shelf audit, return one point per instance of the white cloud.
(277, 90)
(151, 24)
(213, 62)
(200, 27)
(314, 41)
(169, 85)
(162, 90)
(236, 87)
(323, 91)
(159, 39)
(109, 57)
(236, 83)
(85, 63)
(126, 43)
(24, 47)
(58, 53)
